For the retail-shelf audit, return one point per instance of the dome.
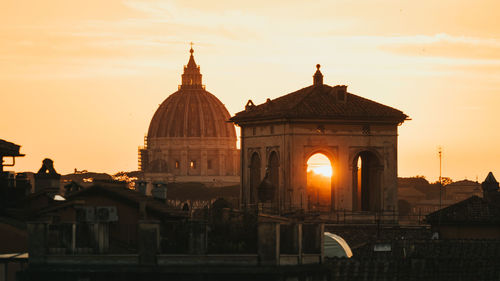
(190, 138)
(191, 111)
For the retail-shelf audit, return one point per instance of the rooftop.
(474, 210)
(9, 149)
(321, 101)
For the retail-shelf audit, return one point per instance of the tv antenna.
(440, 153)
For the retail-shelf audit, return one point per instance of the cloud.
(446, 46)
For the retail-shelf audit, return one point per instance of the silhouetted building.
(282, 134)
(189, 138)
(118, 233)
(490, 188)
(47, 179)
(424, 197)
(13, 236)
(472, 218)
(460, 190)
(8, 149)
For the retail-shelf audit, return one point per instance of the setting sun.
(319, 164)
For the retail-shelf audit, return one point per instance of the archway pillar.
(372, 159)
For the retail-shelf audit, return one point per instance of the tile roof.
(321, 102)
(474, 210)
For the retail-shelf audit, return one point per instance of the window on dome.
(192, 164)
(177, 164)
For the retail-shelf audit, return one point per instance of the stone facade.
(209, 160)
(279, 136)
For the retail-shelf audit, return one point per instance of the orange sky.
(80, 80)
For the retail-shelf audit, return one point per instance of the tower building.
(357, 135)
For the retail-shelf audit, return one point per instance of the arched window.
(274, 173)
(254, 177)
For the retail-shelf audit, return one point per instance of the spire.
(191, 63)
(490, 185)
(191, 78)
(318, 77)
(490, 178)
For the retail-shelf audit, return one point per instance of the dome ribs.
(184, 129)
(168, 115)
(201, 109)
(215, 124)
(191, 113)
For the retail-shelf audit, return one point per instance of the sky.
(81, 79)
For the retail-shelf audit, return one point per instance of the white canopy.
(335, 246)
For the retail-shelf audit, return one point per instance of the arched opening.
(254, 177)
(274, 175)
(319, 183)
(366, 182)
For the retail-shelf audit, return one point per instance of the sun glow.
(319, 164)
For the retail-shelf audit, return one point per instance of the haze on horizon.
(80, 80)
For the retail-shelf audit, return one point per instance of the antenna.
(440, 153)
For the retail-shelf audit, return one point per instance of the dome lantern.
(191, 78)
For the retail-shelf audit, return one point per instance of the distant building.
(189, 138)
(461, 190)
(424, 197)
(47, 179)
(472, 218)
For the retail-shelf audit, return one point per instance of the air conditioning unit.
(106, 214)
(85, 214)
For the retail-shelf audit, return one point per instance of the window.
(209, 164)
(192, 164)
(254, 131)
(272, 129)
(366, 130)
(177, 164)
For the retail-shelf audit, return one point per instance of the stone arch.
(255, 177)
(366, 185)
(273, 165)
(330, 153)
